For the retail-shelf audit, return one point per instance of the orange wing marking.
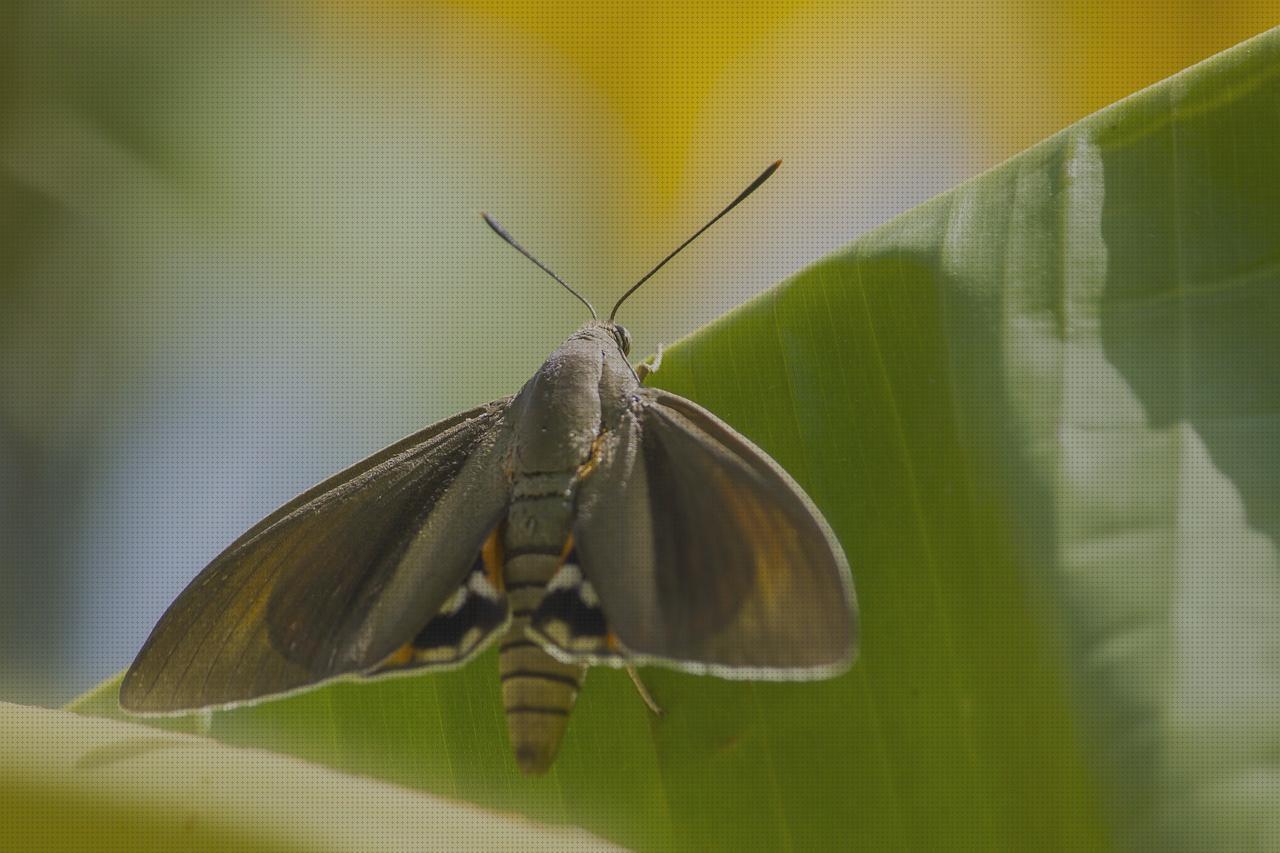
(494, 558)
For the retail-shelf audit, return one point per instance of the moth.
(586, 520)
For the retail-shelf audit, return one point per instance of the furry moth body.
(585, 520)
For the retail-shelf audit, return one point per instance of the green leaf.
(1042, 413)
(72, 783)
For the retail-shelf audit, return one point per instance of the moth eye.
(624, 339)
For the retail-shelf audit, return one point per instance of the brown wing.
(336, 579)
(707, 555)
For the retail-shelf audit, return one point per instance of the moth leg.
(644, 692)
(644, 368)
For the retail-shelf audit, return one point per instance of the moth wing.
(464, 625)
(336, 579)
(707, 555)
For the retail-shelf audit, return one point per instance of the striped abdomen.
(538, 691)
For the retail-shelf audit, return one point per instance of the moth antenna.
(764, 176)
(502, 232)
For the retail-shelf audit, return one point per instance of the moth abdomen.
(539, 522)
(543, 484)
(538, 691)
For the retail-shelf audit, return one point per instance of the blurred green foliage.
(70, 783)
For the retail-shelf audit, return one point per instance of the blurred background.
(240, 243)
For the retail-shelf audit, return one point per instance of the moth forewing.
(276, 611)
(451, 535)
(708, 557)
(776, 481)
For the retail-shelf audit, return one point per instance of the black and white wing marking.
(465, 624)
(570, 622)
